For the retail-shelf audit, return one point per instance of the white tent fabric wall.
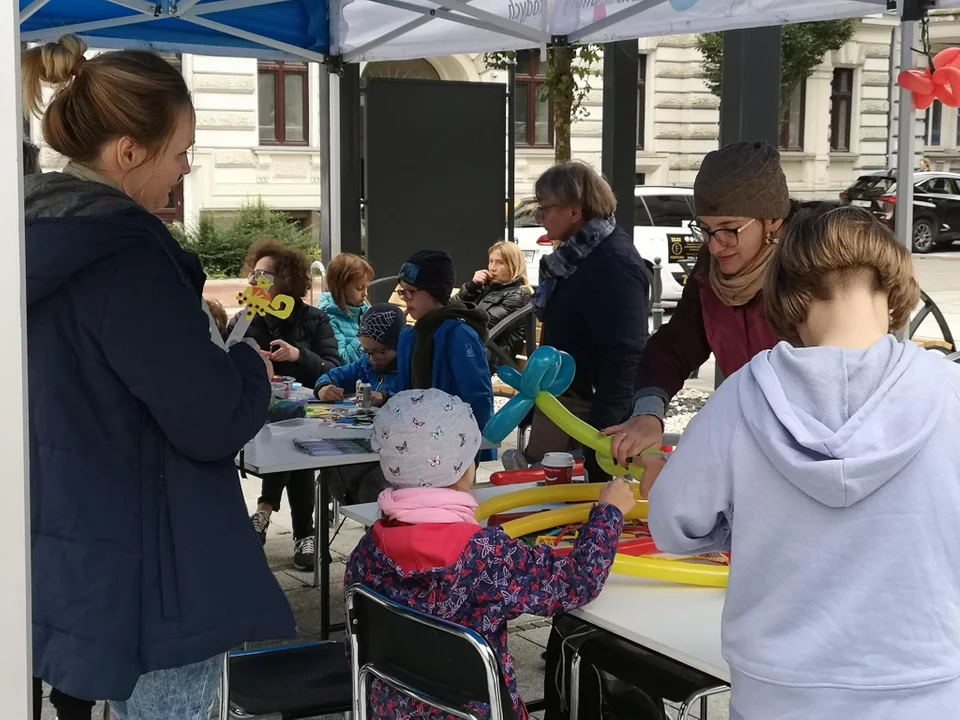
(405, 29)
(15, 628)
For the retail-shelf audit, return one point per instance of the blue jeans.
(183, 693)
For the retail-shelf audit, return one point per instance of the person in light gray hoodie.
(830, 467)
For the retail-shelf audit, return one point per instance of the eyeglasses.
(381, 354)
(257, 274)
(406, 295)
(728, 237)
(538, 213)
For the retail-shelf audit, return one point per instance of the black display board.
(434, 170)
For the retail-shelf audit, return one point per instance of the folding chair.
(290, 682)
(439, 663)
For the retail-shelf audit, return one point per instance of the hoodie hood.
(833, 422)
(72, 223)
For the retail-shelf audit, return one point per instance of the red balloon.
(947, 58)
(916, 81)
(923, 101)
(948, 90)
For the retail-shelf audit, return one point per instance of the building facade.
(258, 123)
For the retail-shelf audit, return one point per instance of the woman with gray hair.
(592, 301)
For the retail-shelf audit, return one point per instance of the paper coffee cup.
(558, 468)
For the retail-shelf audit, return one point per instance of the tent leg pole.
(335, 186)
(906, 147)
(16, 652)
(751, 70)
(619, 145)
(326, 206)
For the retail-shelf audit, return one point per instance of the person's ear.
(129, 154)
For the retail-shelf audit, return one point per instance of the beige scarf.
(739, 289)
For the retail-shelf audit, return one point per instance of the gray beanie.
(742, 180)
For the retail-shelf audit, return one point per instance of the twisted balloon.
(548, 374)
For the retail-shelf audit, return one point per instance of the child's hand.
(652, 465)
(619, 493)
(330, 393)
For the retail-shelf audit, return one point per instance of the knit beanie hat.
(383, 322)
(742, 180)
(426, 438)
(432, 271)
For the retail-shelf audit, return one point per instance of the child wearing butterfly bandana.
(428, 552)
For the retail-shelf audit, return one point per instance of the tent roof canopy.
(270, 29)
(404, 29)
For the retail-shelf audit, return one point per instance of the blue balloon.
(681, 5)
(547, 370)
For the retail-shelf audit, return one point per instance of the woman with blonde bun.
(140, 535)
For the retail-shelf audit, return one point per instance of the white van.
(662, 218)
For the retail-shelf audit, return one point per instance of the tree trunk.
(561, 78)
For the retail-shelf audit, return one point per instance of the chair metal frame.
(361, 674)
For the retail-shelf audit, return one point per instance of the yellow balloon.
(674, 571)
(588, 436)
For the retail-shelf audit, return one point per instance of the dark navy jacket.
(143, 554)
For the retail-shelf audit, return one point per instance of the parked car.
(662, 218)
(936, 205)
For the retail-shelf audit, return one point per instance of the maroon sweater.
(701, 324)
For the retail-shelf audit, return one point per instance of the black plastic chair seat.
(294, 682)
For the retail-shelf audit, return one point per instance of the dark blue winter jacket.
(445, 350)
(143, 555)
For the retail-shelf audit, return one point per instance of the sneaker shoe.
(514, 460)
(304, 554)
(261, 521)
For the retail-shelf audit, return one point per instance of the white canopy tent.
(402, 29)
(360, 30)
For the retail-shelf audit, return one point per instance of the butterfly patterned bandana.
(426, 438)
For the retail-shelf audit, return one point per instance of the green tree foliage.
(804, 47)
(569, 72)
(222, 249)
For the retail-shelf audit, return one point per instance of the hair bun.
(62, 60)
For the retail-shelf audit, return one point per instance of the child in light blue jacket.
(829, 467)
(348, 279)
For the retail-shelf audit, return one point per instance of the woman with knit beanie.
(741, 201)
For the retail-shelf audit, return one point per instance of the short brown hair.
(576, 184)
(129, 93)
(343, 270)
(291, 267)
(822, 249)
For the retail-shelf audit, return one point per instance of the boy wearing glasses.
(380, 329)
(445, 349)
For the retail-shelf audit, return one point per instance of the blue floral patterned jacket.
(480, 578)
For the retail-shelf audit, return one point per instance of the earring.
(772, 238)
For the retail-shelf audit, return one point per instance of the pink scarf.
(417, 506)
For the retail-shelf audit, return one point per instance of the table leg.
(317, 535)
(323, 562)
